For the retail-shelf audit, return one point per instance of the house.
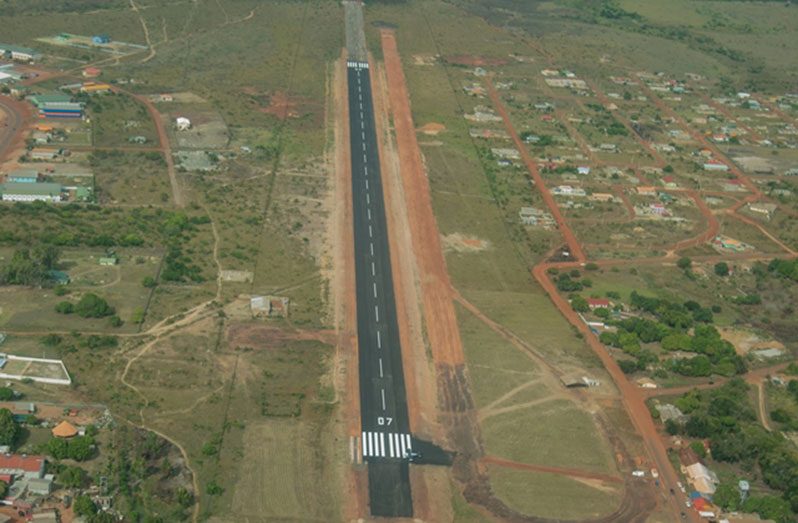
(23, 176)
(763, 208)
(668, 412)
(41, 138)
(64, 430)
(567, 190)
(95, 87)
(61, 110)
(91, 72)
(715, 165)
(670, 182)
(20, 465)
(598, 303)
(30, 192)
(109, 260)
(506, 153)
(182, 123)
(528, 215)
(583, 170)
(44, 154)
(137, 139)
(101, 39)
(38, 100)
(703, 480)
(20, 410)
(658, 209)
(269, 306)
(19, 54)
(647, 191)
(647, 383)
(602, 197)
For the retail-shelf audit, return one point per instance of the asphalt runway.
(386, 443)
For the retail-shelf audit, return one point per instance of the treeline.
(726, 417)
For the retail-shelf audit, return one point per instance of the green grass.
(495, 365)
(116, 118)
(552, 496)
(556, 433)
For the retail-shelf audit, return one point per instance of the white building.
(183, 123)
(31, 192)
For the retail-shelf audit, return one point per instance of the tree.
(84, 506)
(722, 269)
(58, 448)
(9, 430)
(64, 307)
(30, 266)
(72, 477)
(769, 507)
(149, 282)
(6, 394)
(684, 263)
(92, 306)
(727, 497)
(699, 449)
(579, 304)
(81, 448)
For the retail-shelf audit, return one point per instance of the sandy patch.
(745, 341)
(461, 243)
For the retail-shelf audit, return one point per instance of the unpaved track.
(562, 471)
(439, 314)
(573, 244)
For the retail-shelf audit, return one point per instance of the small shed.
(183, 123)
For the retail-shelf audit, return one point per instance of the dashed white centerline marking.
(374, 285)
(364, 146)
(366, 171)
(362, 135)
(381, 368)
(377, 313)
(368, 199)
(364, 159)
(369, 231)
(382, 393)
(362, 125)
(361, 110)
(367, 184)
(372, 269)
(369, 213)
(371, 248)
(379, 340)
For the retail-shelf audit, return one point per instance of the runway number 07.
(384, 421)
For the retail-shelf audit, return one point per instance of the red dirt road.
(632, 398)
(573, 244)
(441, 321)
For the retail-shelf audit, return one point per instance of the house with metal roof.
(30, 192)
(20, 54)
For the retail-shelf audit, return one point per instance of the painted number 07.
(384, 421)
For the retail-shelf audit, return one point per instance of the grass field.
(553, 495)
(127, 178)
(116, 118)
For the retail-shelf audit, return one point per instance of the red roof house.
(598, 303)
(22, 465)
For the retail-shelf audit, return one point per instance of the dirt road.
(632, 398)
(574, 246)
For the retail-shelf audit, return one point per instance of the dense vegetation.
(684, 327)
(31, 267)
(726, 417)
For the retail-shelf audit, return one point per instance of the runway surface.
(386, 443)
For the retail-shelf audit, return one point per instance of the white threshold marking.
(377, 313)
(379, 340)
(382, 393)
(382, 444)
(381, 368)
(390, 444)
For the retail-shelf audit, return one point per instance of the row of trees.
(89, 306)
(31, 267)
